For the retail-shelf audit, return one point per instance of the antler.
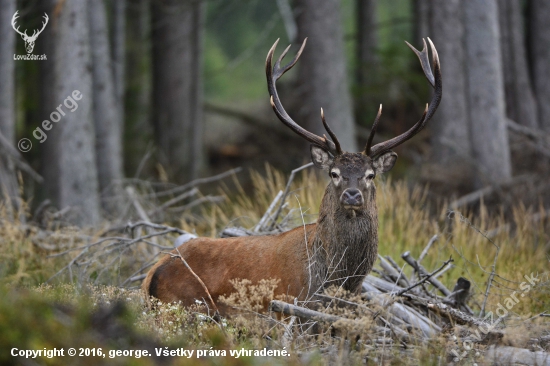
(13, 21)
(43, 26)
(428, 112)
(273, 73)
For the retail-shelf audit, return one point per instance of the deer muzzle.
(352, 198)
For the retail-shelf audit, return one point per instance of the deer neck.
(345, 245)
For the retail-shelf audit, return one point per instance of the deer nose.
(352, 197)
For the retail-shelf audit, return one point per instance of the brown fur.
(341, 248)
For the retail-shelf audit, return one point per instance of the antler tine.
(372, 132)
(13, 23)
(424, 60)
(273, 73)
(46, 18)
(436, 83)
(331, 134)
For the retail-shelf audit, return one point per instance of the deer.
(29, 40)
(339, 249)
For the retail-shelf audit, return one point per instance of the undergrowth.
(74, 314)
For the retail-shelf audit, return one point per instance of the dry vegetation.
(91, 289)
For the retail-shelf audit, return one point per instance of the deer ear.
(321, 158)
(384, 162)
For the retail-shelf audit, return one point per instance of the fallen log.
(516, 356)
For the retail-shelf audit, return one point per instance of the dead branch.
(516, 356)
(173, 201)
(285, 193)
(301, 312)
(422, 271)
(426, 278)
(428, 246)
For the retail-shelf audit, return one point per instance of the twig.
(395, 275)
(422, 271)
(209, 198)
(264, 218)
(427, 278)
(285, 193)
(428, 246)
(493, 266)
(196, 276)
(194, 183)
(131, 226)
(173, 201)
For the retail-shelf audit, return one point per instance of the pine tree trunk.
(9, 189)
(451, 138)
(177, 85)
(106, 111)
(488, 129)
(367, 60)
(138, 128)
(520, 100)
(322, 76)
(119, 52)
(49, 167)
(74, 134)
(422, 19)
(540, 55)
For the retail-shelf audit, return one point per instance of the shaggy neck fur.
(345, 245)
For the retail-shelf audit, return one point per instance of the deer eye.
(370, 176)
(334, 175)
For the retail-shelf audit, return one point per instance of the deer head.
(29, 40)
(352, 174)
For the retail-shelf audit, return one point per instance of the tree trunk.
(138, 129)
(177, 85)
(106, 108)
(367, 60)
(9, 188)
(422, 17)
(488, 129)
(74, 135)
(540, 55)
(322, 76)
(451, 138)
(49, 167)
(520, 101)
(119, 52)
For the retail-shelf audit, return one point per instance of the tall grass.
(407, 221)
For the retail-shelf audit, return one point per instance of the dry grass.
(407, 223)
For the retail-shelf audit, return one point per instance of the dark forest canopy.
(174, 90)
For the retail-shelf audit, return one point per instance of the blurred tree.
(322, 76)
(49, 169)
(451, 138)
(177, 85)
(106, 109)
(367, 60)
(486, 105)
(8, 179)
(422, 18)
(539, 21)
(137, 103)
(520, 101)
(118, 51)
(74, 137)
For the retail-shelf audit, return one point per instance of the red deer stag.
(339, 249)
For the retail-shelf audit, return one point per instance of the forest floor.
(63, 287)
